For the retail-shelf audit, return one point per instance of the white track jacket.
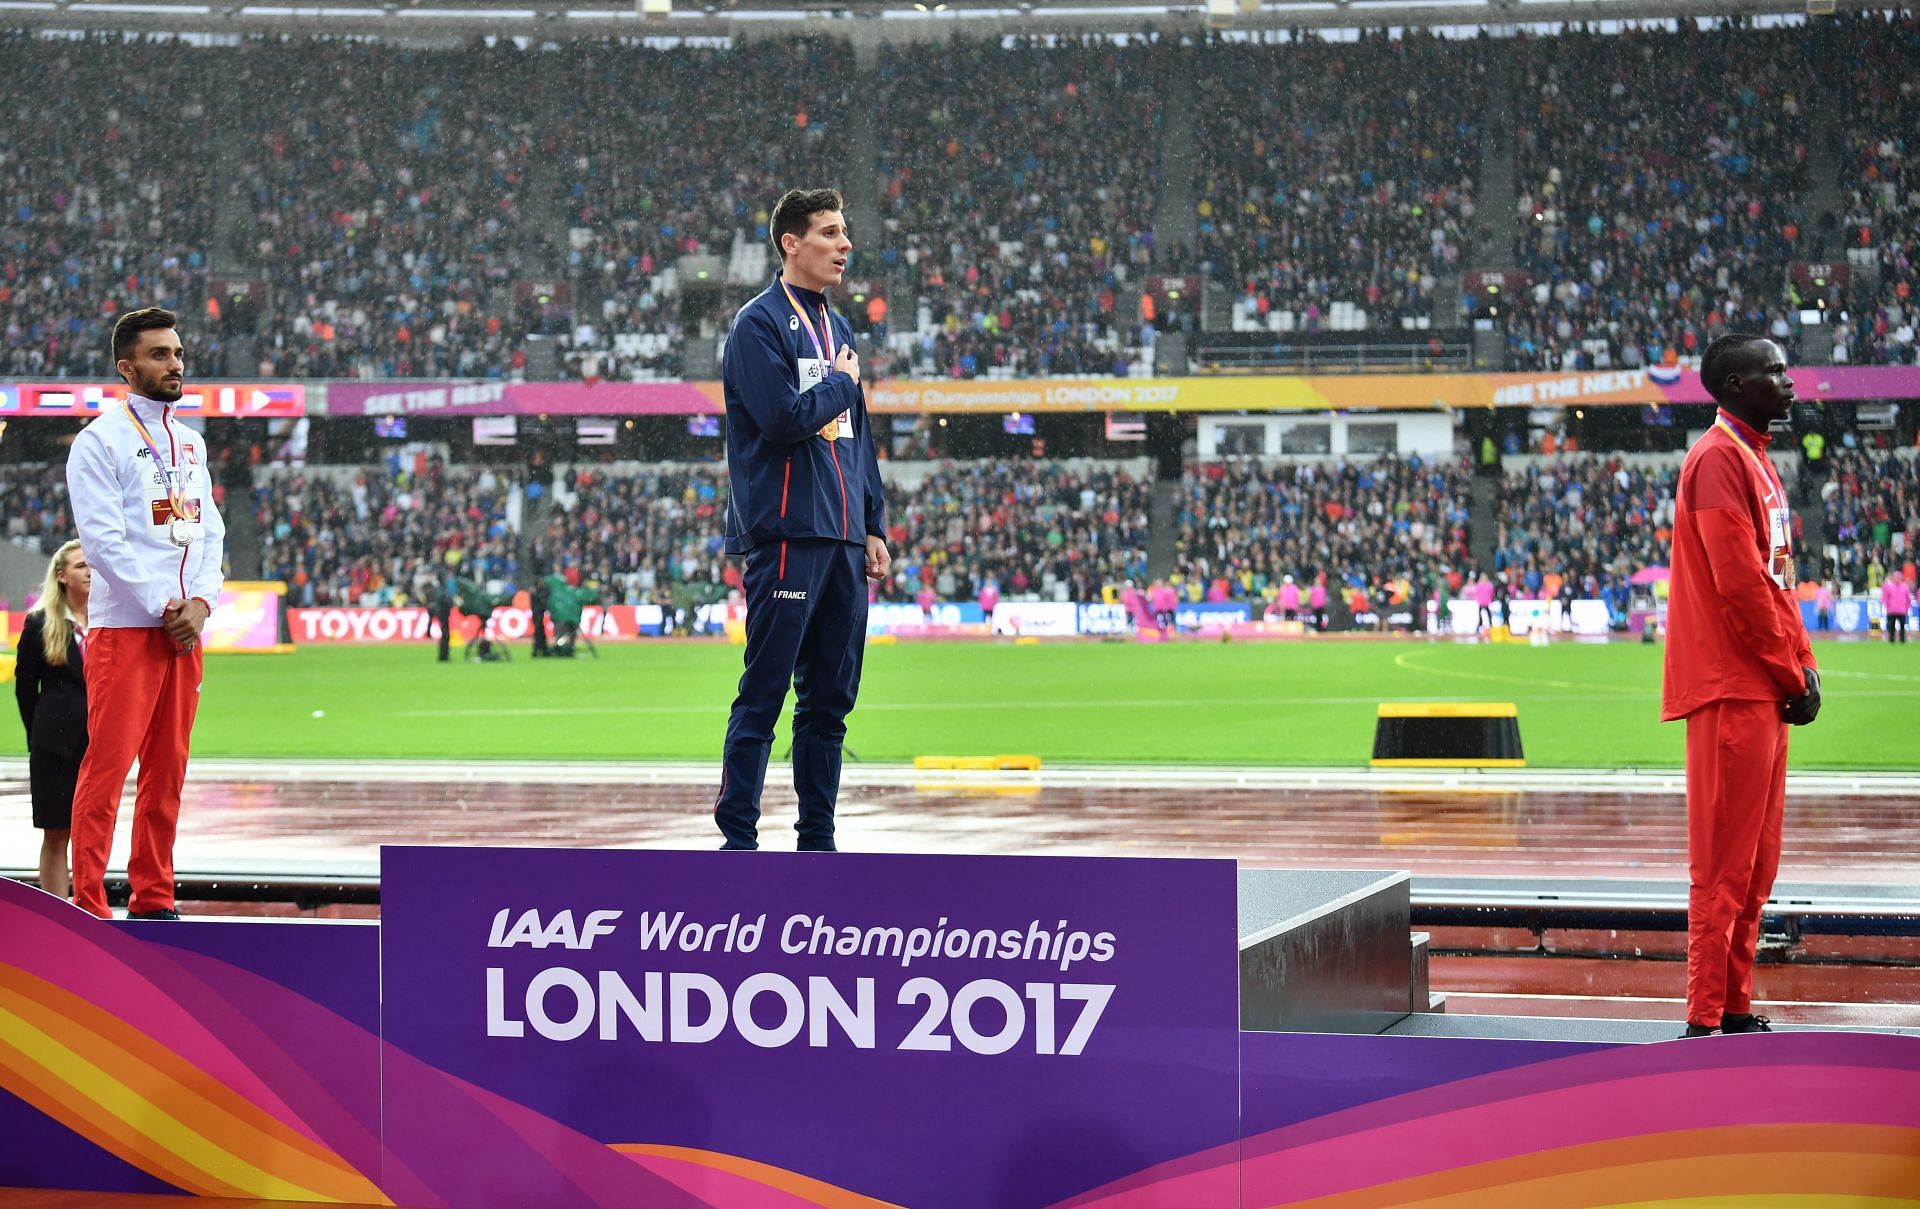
(121, 505)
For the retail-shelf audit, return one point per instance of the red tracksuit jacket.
(1733, 626)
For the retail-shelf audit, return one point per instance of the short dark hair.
(794, 212)
(127, 329)
(1723, 358)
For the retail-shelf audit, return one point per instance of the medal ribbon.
(176, 498)
(1766, 467)
(1767, 474)
(824, 350)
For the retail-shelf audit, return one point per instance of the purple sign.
(222, 1059)
(495, 398)
(929, 1031)
(1432, 1120)
(1818, 383)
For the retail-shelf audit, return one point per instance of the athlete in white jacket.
(142, 497)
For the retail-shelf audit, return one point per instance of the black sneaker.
(1698, 1030)
(1745, 1022)
(162, 913)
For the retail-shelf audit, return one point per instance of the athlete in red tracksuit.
(1738, 669)
(143, 501)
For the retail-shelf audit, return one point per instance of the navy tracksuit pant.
(806, 625)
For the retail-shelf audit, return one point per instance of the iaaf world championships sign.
(777, 1006)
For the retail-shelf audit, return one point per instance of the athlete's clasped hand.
(847, 361)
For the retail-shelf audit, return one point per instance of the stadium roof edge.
(858, 20)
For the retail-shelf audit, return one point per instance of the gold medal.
(832, 431)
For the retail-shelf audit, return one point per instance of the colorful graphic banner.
(1818, 1118)
(788, 1022)
(247, 618)
(1271, 392)
(1389, 392)
(220, 1059)
(490, 398)
(245, 1059)
(891, 616)
(509, 623)
(1851, 615)
(1036, 618)
(234, 400)
(1212, 614)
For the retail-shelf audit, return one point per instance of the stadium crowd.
(690, 166)
(1870, 504)
(386, 209)
(1880, 180)
(392, 197)
(652, 534)
(1395, 528)
(1020, 212)
(33, 503)
(1589, 521)
(381, 536)
(1050, 528)
(92, 221)
(1661, 185)
(1338, 172)
(641, 536)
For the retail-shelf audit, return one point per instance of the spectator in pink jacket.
(1897, 599)
(1290, 599)
(989, 598)
(1165, 602)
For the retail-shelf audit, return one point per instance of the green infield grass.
(1313, 703)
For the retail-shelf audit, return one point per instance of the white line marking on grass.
(917, 706)
(1403, 660)
(1872, 676)
(1127, 703)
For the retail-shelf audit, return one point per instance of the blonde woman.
(51, 686)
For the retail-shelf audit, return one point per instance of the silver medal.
(178, 532)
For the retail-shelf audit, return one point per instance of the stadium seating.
(1058, 530)
(1591, 521)
(386, 210)
(1019, 214)
(366, 536)
(1663, 184)
(1880, 179)
(33, 506)
(1395, 524)
(1336, 180)
(645, 536)
(1870, 501)
(95, 220)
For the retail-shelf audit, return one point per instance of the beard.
(160, 392)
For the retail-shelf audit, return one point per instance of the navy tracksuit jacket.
(801, 508)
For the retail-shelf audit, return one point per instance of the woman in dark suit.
(51, 686)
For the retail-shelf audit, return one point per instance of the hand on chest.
(811, 372)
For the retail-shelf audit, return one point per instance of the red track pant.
(1736, 792)
(142, 692)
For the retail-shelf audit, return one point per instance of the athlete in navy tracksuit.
(807, 512)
